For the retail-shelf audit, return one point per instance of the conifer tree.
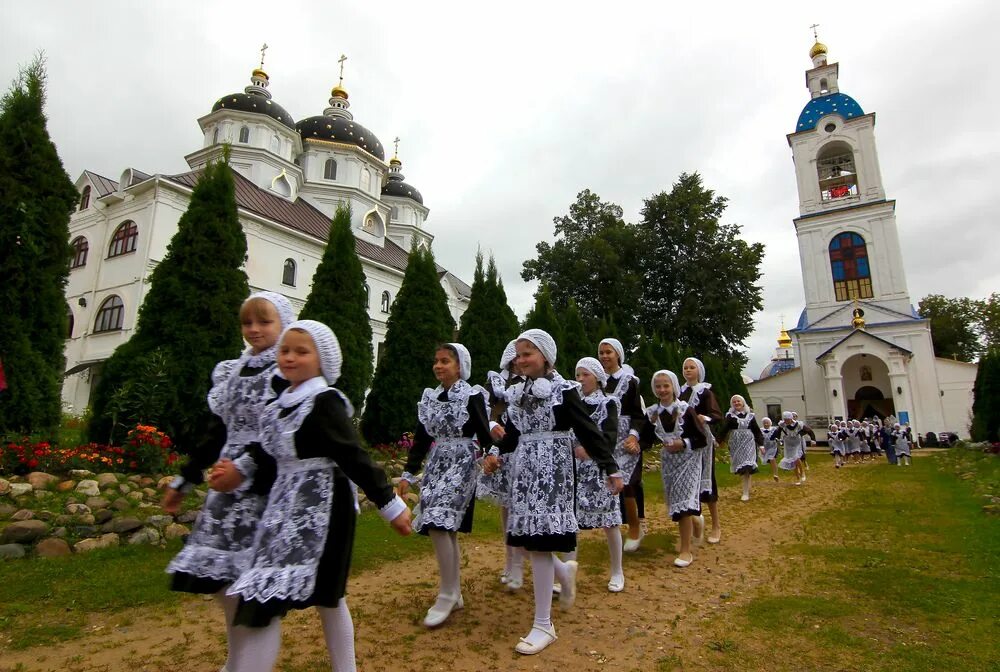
(986, 399)
(188, 322)
(36, 200)
(488, 323)
(575, 343)
(339, 300)
(543, 316)
(419, 321)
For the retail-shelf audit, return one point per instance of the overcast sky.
(507, 110)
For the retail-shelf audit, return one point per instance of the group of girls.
(276, 530)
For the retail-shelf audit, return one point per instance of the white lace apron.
(853, 442)
(220, 543)
(836, 444)
(708, 452)
(542, 500)
(681, 472)
(770, 446)
(626, 460)
(596, 506)
(452, 470)
(792, 442)
(742, 445)
(495, 487)
(292, 533)
(902, 444)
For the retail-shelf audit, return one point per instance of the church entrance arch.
(867, 387)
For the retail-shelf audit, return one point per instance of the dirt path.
(655, 619)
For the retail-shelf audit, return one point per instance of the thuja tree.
(986, 402)
(339, 300)
(488, 323)
(419, 321)
(188, 322)
(36, 200)
(543, 316)
(575, 344)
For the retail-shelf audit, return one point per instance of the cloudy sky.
(507, 110)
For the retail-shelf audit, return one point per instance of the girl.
(744, 437)
(541, 412)
(451, 418)
(697, 393)
(302, 551)
(596, 506)
(624, 385)
(216, 551)
(865, 441)
(854, 441)
(678, 427)
(791, 437)
(901, 441)
(836, 442)
(769, 449)
(495, 487)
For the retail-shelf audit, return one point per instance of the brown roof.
(299, 215)
(103, 184)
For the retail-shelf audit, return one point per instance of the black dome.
(402, 189)
(339, 129)
(252, 102)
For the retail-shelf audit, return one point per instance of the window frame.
(244, 140)
(327, 173)
(110, 316)
(81, 250)
(125, 239)
(289, 265)
(853, 279)
(85, 198)
(386, 303)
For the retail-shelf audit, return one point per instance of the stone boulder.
(175, 531)
(134, 478)
(147, 482)
(103, 541)
(89, 488)
(52, 547)
(187, 517)
(106, 479)
(60, 532)
(136, 496)
(97, 503)
(164, 482)
(47, 516)
(4, 486)
(80, 473)
(76, 509)
(41, 481)
(103, 516)
(86, 519)
(150, 492)
(85, 531)
(121, 504)
(159, 522)
(124, 488)
(122, 525)
(23, 532)
(20, 489)
(6, 511)
(146, 535)
(23, 514)
(42, 494)
(65, 486)
(11, 551)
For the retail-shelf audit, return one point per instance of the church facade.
(859, 348)
(290, 177)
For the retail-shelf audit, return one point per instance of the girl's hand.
(403, 487)
(580, 453)
(401, 523)
(616, 484)
(172, 500)
(498, 432)
(490, 464)
(224, 476)
(676, 445)
(632, 445)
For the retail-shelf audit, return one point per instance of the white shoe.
(515, 583)
(568, 595)
(531, 645)
(803, 478)
(616, 584)
(632, 545)
(557, 588)
(798, 483)
(441, 610)
(504, 577)
(745, 498)
(678, 562)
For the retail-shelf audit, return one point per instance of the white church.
(859, 348)
(290, 178)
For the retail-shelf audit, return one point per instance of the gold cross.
(815, 34)
(782, 318)
(262, 50)
(341, 61)
(396, 143)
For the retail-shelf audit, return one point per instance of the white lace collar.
(697, 387)
(593, 398)
(302, 391)
(261, 359)
(624, 372)
(459, 391)
(676, 407)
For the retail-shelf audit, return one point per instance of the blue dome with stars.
(835, 103)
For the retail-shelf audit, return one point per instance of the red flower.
(32, 463)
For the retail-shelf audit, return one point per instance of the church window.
(244, 135)
(838, 176)
(386, 301)
(330, 170)
(80, 249)
(823, 86)
(774, 412)
(275, 144)
(366, 179)
(394, 213)
(288, 274)
(85, 198)
(110, 316)
(368, 296)
(852, 278)
(69, 322)
(215, 136)
(124, 240)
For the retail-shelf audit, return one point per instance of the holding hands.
(224, 476)
(616, 483)
(491, 463)
(632, 445)
(580, 453)
(401, 523)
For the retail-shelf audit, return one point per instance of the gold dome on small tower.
(259, 73)
(784, 340)
(817, 49)
(339, 92)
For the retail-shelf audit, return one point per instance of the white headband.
(327, 347)
(616, 345)
(594, 366)
(464, 360)
(543, 341)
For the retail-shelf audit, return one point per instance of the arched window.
(394, 213)
(244, 135)
(837, 174)
(386, 300)
(288, 274)
(368, 296)
(852, 278)
(110, 315)
(215, 136)
(80, 249)
(124, 240)
(330, 170)
(69, 322)
(85, 198)
(275, 144)
(366, 179)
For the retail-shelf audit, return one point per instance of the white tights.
(263, 644)
(233, 634)
(449, 560)
(545, 569)
(615, 550)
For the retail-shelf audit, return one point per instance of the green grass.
(902, 574)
